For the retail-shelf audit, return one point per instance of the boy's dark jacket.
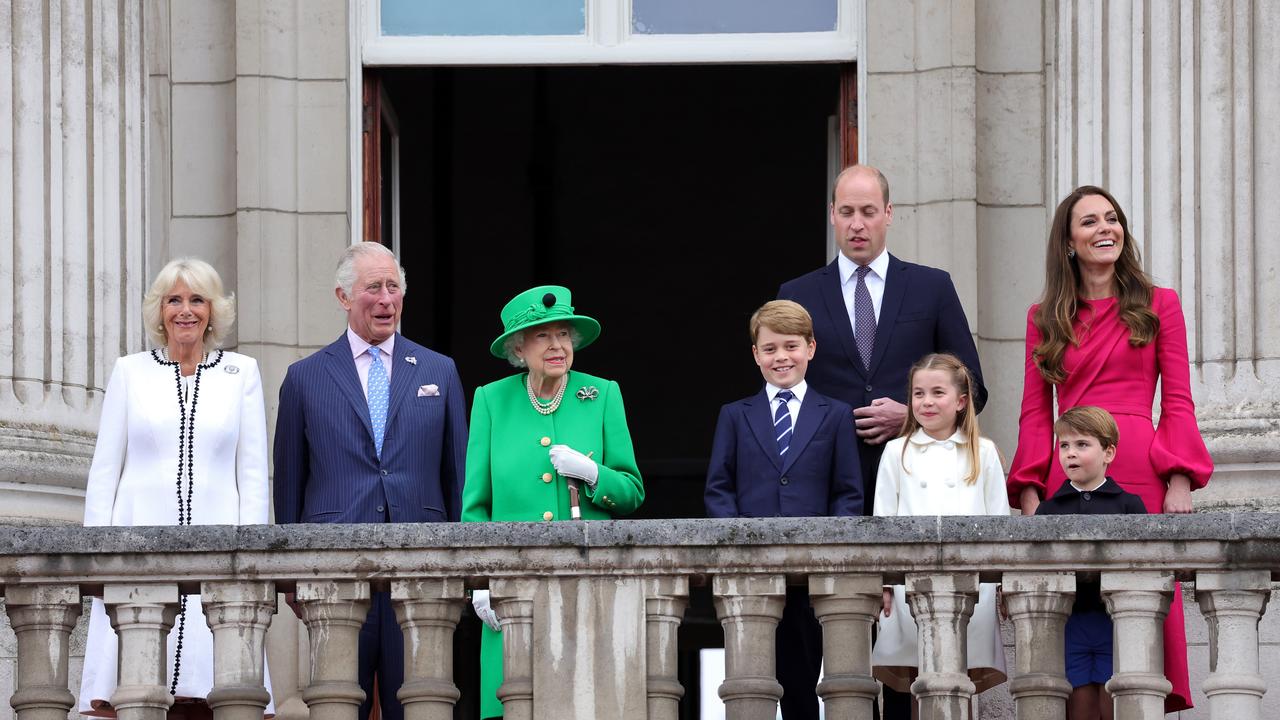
(1107, 499)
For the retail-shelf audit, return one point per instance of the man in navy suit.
(874, 316)
(359, 442)
(786, 451)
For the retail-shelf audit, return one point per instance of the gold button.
(546, 477)
(545, 442)
(547, 516)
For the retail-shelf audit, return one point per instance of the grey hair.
(516, 341)
(202, 280)
(344, 277)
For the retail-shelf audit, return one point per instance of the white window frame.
(608, 40)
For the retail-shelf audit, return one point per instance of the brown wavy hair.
(1060, 302)
(966, 419)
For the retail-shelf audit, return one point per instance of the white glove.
(480, 601)
(571, 463)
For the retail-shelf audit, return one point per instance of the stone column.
(847, 606)
(71, 101)
(1138, 602)
(942, 604)
(428, 612)
(238, 614)
(42, 617)
(1170, 106)
(665, 601)
(513, 601)
(333, 612)
(142, 615)
(749, 608)
(1039, 604)
(1233, 603)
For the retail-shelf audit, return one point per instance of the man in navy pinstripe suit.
(331, 466)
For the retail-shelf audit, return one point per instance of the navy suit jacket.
(820, 475)
(326, 468)
(919, 314)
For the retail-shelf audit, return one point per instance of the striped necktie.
(782, 422)
(378, 391)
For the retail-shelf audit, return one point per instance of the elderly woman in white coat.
(182, 441)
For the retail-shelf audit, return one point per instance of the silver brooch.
(230, 369)
(588, 393)
(411, 359)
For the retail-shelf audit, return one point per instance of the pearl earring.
(1071, 253)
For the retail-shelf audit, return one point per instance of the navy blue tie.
(782, 422)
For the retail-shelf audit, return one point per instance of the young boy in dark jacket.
(1087, 438)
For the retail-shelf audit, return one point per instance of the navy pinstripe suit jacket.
(326, 469)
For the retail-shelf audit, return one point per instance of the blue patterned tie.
(864, 318)
(782, 422)
(378, 392)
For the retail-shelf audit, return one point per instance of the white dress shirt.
(793, 405)
(360, 353)
(875, 280)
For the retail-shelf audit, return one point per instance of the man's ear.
(342, 298)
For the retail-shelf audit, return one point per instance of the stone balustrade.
(565, 590)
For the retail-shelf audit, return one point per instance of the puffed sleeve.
(1033, 458)
(109, 452)
(477, 490)
(619, 488)
(1178, 446)
(888, 479)
(251, 450)
(991, 479)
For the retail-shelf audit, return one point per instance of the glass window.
(484, 17)
(677, 17)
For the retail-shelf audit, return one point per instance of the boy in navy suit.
(786, 451)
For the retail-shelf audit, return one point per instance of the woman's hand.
(886, 602)
(480, 602)
(1178, 499)
(571, 463)
(1030, 500)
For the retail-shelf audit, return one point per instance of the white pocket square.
(428, 391)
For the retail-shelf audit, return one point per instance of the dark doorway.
(672, 201)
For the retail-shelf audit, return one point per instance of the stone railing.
(587, 608)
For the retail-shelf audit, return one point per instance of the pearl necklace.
(555, 401)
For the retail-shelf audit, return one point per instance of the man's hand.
(886, 602)
(880, 421)
(1178, 499)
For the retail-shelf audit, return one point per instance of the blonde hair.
(1089, 421)
(203, 280)
(784, 317)
(966, 419)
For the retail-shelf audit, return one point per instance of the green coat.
(510, 477)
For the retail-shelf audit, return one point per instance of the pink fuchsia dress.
(1106, 371)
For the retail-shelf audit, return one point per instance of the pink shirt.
(360, 353)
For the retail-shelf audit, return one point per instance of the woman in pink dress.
(1104, 335)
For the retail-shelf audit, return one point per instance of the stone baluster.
(942, 604)
(238, 614)
(1233, 603)
(428, 610)
(665, 600)
(1138, 602)
(513, 601)
(846, 605)
(42, 617)
(749, 608)
(1039, 604)
(142, 615)
(333, 612)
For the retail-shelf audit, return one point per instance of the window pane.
(662, 17)
(483, 17)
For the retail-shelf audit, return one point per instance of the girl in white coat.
(182, 441)
(940, 465)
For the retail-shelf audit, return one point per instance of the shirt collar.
(360, 347)
(879, 266)
(920, 437)
(799, 389)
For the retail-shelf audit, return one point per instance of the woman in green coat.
(540, 437)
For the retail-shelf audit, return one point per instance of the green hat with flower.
(543, 304)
